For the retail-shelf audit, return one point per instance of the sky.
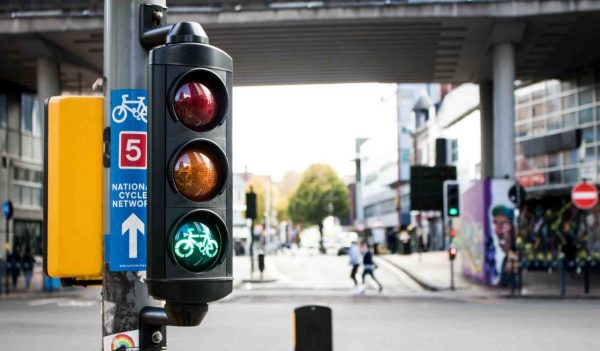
(281, 128)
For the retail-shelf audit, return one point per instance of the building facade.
(21, 130)
(558, 133)
(383, 165)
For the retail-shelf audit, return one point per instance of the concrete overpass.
(324, 41)
(490, 42)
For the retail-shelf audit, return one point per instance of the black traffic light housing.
(451, 199)
(189, 246)
(452, 251)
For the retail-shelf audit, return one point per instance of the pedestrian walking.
(14, 267)
(28, 262)
(512, 268)
(354, 253)
(369, 267)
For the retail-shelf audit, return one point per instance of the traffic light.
(451, 199)
(452, 253)
(189, 176)
(452, 233)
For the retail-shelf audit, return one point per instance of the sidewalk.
(432, 271)
(36, 291)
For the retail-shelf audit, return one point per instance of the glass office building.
(558, 133)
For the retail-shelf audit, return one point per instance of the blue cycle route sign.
(126, 244)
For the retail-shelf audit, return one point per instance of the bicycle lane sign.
(126, 245)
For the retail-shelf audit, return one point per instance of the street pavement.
(258, 316)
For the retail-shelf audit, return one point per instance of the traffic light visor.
(199, 241)
(199, 100)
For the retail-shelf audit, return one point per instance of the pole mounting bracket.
(153, 25)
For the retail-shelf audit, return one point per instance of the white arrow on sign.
(132, 224)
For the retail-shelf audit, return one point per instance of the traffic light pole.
(124, 294)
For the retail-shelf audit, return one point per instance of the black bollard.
(313, 329)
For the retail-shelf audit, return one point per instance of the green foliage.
(321, 193)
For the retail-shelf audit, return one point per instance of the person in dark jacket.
(28, 262)
(14, 267)
(369, 267)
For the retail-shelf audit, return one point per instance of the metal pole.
(451, 275)
(6, 246)
(124, 294)
(251, 247)
(7, 235)
(561, 262)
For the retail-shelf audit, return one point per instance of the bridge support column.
(48, 81)
(486, 110)
(504, 110)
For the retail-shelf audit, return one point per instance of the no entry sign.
(584, 196)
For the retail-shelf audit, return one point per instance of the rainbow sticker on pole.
(121, 342)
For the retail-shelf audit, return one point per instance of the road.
(257, 317)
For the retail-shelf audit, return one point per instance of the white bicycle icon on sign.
(137, 108)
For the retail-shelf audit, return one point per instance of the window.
(572, 176)
(523, 113)
(570, 120)
(554, 177)
(26, 187)
(554, 160)
(590, 155)
(568, 101)
(453, 151)
(554, 123)
(539, 127)
(539, 109)
(554, 105)
(586, 115)
(539, 92)
(570, 157)
(587, 135)
(586, 97)
(29, 115)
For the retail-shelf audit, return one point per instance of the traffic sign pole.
(124, 293)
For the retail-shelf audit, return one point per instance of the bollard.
(561, 263)
(586, 279)
(313, 328)
(261, 264)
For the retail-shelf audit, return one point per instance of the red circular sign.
(584, 196)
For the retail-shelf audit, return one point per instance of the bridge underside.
(400, 43)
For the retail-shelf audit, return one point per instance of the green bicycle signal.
(196, 244)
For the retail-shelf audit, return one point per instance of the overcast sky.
(281, 128)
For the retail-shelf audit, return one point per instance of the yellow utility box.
(73, 188)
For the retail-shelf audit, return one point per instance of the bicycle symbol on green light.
(206, 245)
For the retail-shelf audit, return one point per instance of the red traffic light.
(452, 253)
(452, 233)
(195, 106)
(199, 100)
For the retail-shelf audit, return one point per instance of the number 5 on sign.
(132, 150)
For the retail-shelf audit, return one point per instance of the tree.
(321, 193)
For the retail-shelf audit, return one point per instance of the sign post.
(124, 292)
(7, 210)
(584, 195)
